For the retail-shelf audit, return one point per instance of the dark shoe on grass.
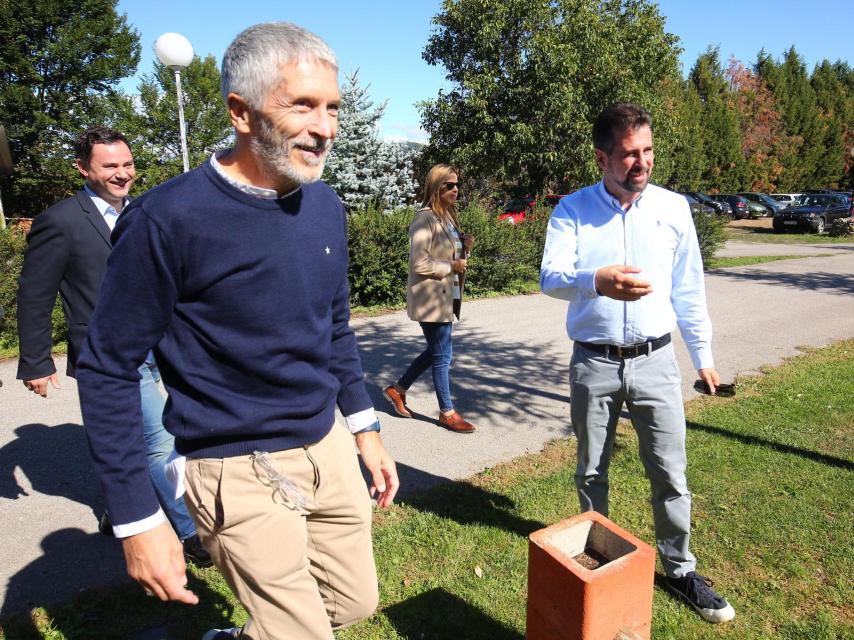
(697, 591)
(194, 552)
(398, 400)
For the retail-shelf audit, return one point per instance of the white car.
(788, 199)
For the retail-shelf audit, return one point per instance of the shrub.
(12, 246)
(710, 234)
(506, 258)
(841, 227)
(379, 256)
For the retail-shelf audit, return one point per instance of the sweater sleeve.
(344, 361)
(134, 306)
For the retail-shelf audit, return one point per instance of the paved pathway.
(509, 377)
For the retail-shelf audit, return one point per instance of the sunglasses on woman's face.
(450, 186)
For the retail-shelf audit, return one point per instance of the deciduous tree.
(56, 58)
(528, 78)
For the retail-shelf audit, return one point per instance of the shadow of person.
(438, 615)
(69, 475)
(82, 584)
(72, 561)
(457, 500)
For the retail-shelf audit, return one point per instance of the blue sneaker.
(697, 591)
(223, 634)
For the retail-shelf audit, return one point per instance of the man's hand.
(617, 282)
(39, 385)
(710, 377)
(380, 465)
(459, 266)
(155, 559)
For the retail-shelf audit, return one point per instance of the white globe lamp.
(176, 53)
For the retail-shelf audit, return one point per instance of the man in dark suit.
(67, 251)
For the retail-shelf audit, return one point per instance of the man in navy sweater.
(241, 266)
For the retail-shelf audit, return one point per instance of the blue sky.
(384, 39)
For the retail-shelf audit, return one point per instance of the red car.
(518, 208)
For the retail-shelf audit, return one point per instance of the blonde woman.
(438, 253)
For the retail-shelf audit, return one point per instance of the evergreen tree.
(362, 169)
(797, 101)
(721, 137)
(56, 58)
(832, 103)
(687, 148)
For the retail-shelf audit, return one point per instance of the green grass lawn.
(771, 473)
(769, 237)
(743, 261)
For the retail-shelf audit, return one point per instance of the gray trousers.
(651, 388)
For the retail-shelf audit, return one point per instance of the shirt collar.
(101, 204)
(252, 190)
(605, 195)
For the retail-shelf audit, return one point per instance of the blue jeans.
(437, 356)
(159, 444)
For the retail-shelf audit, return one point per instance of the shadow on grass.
(439, 615)
(99, 613)
(459, 501)
(831, 461)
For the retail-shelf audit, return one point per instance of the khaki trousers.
(299, 573)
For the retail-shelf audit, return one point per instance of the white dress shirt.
(589, 230)
(107, 210)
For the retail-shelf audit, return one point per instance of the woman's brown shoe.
(398, 400)
(455, 422)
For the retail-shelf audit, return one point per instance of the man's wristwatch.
(373, 427)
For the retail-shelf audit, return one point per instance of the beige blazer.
(430, 286)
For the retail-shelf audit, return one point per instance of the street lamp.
(176, 53)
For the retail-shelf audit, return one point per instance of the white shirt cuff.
(361, 420)
(140, 526)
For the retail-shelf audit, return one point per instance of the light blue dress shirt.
(589, 230)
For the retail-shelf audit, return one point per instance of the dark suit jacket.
(67, 250)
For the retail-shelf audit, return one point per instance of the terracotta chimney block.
(567, 601)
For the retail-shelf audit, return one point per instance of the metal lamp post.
(176, 53)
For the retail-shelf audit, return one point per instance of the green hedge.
(12, 246)
(505, 259)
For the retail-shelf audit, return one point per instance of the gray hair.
(250, 66)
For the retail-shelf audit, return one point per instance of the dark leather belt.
(616, 352)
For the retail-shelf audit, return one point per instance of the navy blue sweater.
(245, 303)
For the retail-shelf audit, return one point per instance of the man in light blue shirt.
(624, 253)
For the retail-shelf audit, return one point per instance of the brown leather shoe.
(456, 423)
(398, 401)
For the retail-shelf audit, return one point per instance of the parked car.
(813, 212)
(738, 204)
(787, 199)
(721, 208)
(770, 205)
(697, 207)
(517, 209)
